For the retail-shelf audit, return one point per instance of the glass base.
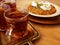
(15, 36)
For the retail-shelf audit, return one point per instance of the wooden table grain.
(49, 34)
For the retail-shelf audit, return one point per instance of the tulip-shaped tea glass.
(16, 24)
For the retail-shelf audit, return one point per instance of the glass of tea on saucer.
(17, 21)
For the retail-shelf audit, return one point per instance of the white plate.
(52, 15)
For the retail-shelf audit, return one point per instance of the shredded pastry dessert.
(42, 9)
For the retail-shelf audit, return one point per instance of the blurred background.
(23, 3)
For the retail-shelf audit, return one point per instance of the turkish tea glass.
(17, 21)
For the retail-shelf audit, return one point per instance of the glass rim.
(16, 19)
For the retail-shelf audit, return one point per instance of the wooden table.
(49, 34)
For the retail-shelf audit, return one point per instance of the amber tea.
(16, 23)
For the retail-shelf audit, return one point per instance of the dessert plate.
(52, 15)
